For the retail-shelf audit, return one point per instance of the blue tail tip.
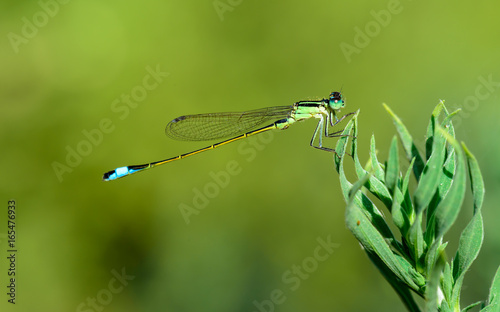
(115, 174)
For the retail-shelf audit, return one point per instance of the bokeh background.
(68, 70)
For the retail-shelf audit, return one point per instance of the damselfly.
(205, 127)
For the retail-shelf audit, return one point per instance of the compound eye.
(335, 97)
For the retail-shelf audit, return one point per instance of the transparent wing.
(204, 127)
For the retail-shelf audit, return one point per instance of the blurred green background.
(67, 70)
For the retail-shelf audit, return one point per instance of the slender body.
(204, 127)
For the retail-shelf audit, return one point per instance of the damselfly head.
(336, 101)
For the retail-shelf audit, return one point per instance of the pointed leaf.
(446, 177)
(449, 165)
(433, 292)
(494, 296)
(445, 181)
(378, 188)
(399, 216)
(429, 180)
(379, 172)
(444, 307)
(432, 253)
(468, 249)
(392, 168)
(472, 306)
(371, 239)
(408, 144)
(341, 146)
(448, 209)
(407, 203)
(366, 205)
(447, 282)
(416, 242)
(473, 234)
(477, 183)
(431, 128)
(374, 185)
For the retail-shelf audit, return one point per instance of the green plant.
(417, 262)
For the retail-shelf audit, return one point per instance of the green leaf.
(361, 200)
(354, 145)
(416, 242)
(379, 172)
(431, 128)
(392, 168)
(432, 253)
(468, 249)
(341, 146)
(407, 203)
(449, 165)
(430, 178)
(447, 121)
(491, 308)
(367, 207)
(432, 292)
(447, 282)
(440, 192)
(426, 189)
(445, 181)
(374, 185)
(408, 144)
(444, 307)
(494, 296)
(361, 214)
(399, 216)
(371, 239)
(473, 234)
(448, 209)
(446, 176)
(339, 162)
(476, 179)
(378, 188)
(472, 306)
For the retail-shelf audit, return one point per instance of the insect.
(240, 125)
